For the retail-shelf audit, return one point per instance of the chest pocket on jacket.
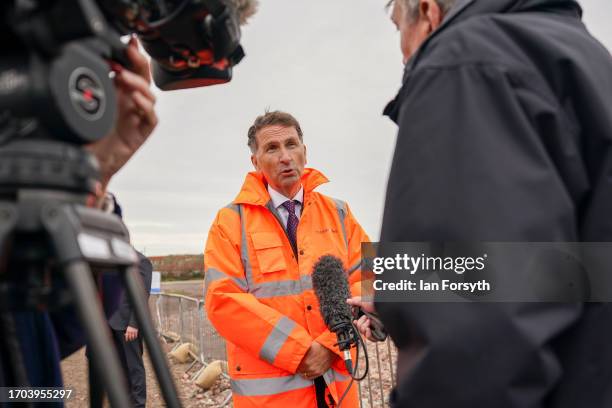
(269, 251)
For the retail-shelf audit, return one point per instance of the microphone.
(331, 288)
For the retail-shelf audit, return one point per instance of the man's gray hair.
(244, 8)
(411, 7)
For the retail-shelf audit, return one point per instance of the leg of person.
(136, 371)
(119, 341)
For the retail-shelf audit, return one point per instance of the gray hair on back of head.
(411, 7)
(245, 9)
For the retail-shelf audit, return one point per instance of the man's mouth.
(288, 172)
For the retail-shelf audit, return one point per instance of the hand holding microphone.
(330, 284)
(366, 320)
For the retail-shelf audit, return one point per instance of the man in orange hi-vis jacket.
(258, 260)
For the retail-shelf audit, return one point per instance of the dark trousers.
(130, 355)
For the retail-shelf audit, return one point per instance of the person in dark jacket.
(128, 341)
(123, 324)
(505, 134)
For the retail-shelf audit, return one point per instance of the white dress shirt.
(278, 199)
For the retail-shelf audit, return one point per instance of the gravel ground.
(374, 392)
(74, 370)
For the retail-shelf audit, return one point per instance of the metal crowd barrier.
(374, 390)
(181, 319)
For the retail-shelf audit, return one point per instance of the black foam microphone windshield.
(331, 287)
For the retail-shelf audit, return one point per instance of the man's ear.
(254, 161)
(305, 155)
(430, 12)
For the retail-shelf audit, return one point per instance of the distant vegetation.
(179, 267)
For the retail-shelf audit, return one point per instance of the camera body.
(192, 43)
(55, 76)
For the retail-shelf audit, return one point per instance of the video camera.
(56, 53)
(57, 95)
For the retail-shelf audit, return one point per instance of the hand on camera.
(363, 323)
(136, 116)
(318, 360)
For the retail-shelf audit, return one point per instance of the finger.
(363, 324)
(140, 64)
(355, 301)
(363, 321)
(124, 102)
(359, 326)
(147, 110)
(147, 114)
(130, 81)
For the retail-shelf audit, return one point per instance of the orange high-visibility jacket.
(259, 293)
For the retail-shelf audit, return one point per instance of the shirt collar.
(278, 199)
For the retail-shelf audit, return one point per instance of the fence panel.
(183, 319)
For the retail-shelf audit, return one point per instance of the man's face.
(280, 157)
(415, 27)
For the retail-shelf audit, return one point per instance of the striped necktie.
(292, 221)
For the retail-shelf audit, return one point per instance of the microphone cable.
(356, 367)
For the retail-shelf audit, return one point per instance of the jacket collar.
(254, 190)
(392, 108)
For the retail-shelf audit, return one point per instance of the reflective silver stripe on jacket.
(269, 386)
(213, 274)
(274, 211)
(282, 288)
(332, 375)
(233, 207)
(341, 208)
(275, 340)
(244, 250)
(354, 267)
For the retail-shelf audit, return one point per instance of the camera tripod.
(50, 243)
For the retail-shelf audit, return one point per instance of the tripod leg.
(103, 354)
(13, 350)
(133, 286)
(13, 354)
(8, 219)
(96, 392)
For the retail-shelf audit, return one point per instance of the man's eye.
(271, 149)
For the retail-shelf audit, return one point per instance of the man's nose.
(285, 157)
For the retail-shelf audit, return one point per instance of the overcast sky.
(333, 65)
